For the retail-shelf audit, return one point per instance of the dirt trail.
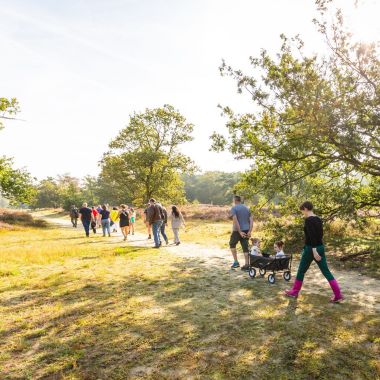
(357, 288)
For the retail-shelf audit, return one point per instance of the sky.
(79, 68)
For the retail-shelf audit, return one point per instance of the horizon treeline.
(210, 187)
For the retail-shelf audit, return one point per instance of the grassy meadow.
(77, 308)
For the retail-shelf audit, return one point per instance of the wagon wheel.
(252, 272)
(262, 272)
(287, 275)
(271, 279)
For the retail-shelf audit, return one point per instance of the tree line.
(64, 191)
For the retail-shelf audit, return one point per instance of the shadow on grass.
(186, 320)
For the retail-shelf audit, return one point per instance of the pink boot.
(337, 294)
(295, 290)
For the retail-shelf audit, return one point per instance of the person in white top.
(177, 223)
(279, 248)
(255, 250)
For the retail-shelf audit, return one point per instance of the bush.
(287, 229)
(20, 218)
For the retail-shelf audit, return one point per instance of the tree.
(211, 187)
(70, 191)
(16, 185)
(144, 161)
(48, 194)
(8, 108)
(91, 189)
(316, 131)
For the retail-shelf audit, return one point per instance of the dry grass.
(76, 308)
(206, 212)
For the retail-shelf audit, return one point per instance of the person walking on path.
(74, 215)
(95, 216)
(313, 250)
(146, 222)
(241, 231)
(154, 215)
(177, 222)
(85, 214)
(124, 221)
(114, 216)
(132, 220)
(105, 220)
(164, 223)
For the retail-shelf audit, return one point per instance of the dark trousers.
(74, 221)
(163, 232)
(307, 258)
(86, 226)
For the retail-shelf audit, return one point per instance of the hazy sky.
(80, 67)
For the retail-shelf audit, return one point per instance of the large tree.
(315, 128)
(144, 159)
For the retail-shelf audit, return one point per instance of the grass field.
(76, 308)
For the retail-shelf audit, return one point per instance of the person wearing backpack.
(154, 216)
(74, 215)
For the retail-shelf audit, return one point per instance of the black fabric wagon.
(270, 264)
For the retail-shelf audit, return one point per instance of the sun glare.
(363, 20)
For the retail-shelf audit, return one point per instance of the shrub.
(21, 218)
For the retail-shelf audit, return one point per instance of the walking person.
(132, 221)
(95, 216)
(154, 215)
(124, 221)
(105, 220)
(114, 216)
(74, 215)
(164, 223)
(242, 225)
(146, 221)
(313, 250)
(99, 218)
(85, 214)
(177, 222)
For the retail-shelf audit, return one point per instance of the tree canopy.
(16, 185)
(315, 129)
(144, 160)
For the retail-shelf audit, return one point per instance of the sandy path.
(357, 288)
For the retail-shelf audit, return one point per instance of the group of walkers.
(155, 218)
(313, 250)
(105, 218)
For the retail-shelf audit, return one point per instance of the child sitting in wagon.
(255, 250)
(279, 249)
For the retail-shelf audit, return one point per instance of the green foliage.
(47, 194)
(144, 160)
(16, 185)
(65, 191)
(290, 231)
(211, 187)
(8, 107)
(70, 191)
(316, 131)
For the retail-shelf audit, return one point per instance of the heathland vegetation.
(77, 308)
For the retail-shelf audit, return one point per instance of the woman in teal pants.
(314, 250)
